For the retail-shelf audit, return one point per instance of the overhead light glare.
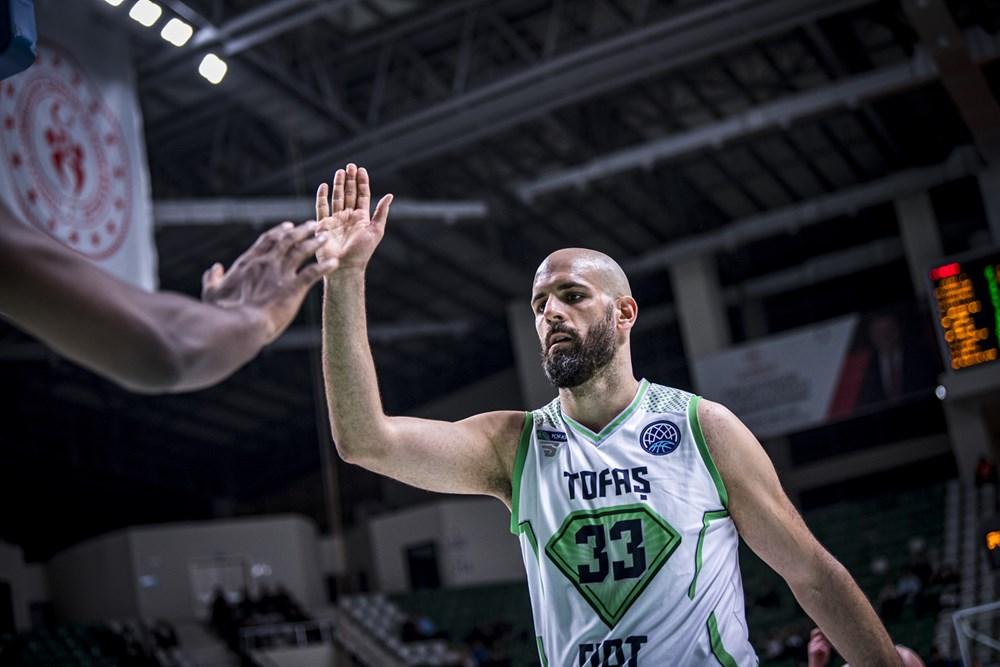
(213, 68)
(114, 3)
(145, 12)
(177, 32)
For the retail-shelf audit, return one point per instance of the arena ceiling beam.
(964, 161)
(956, 59)
(310, 337)
(258, 211)
(851, 92)
(533, 91)
(295, 338)
(258, 74)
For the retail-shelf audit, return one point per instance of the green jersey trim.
(706, 519)
(598, 438)
(525, 528)
(715, 639)
(515, 478)
(699, 438)
(541, 651)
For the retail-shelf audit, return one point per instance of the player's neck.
(601, 398)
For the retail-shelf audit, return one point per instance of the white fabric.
(564, 472)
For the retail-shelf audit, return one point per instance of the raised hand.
(268, 279)
(352, 233)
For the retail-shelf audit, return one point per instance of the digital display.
(966, 294)
(993, 540)
(992, 535)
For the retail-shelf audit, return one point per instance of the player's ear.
(627, 311)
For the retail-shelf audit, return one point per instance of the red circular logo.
(66, 154)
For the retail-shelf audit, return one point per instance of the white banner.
(72, 140)
(783, 383)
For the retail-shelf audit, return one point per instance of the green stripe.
(515, 478)
(541, 652)
(529, 532)
(706, 456)
(718, 650)
(597, 438)
(706, 518)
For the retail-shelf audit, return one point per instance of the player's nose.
(553, 311)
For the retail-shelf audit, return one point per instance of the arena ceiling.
(774, 133)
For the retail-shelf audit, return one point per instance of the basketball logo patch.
(660, 438)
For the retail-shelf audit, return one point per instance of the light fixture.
(177, 32)
(145, 12)
(213, 68)
(114, 3)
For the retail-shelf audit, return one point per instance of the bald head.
(595, 267)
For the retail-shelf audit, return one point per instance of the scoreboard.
(966, 298)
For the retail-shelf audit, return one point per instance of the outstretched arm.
(474, 455)
(154, 342)
(769, 524)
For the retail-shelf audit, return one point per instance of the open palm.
(352, 232)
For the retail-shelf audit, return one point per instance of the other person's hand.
(269, 281)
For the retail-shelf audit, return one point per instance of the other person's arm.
(155, 342)
(772, 527)
(474, 455)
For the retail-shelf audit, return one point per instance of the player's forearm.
(205, 343)
(146, 342)
(829, 595)
(357, 420)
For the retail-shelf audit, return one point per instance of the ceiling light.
(114, 3)
(145, 12)
(213, 68)
(177, 32)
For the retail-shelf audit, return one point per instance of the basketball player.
(155, 341)
(629, 497)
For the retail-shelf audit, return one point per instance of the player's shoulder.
(661, 399)
(715, 417)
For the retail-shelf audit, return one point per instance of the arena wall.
(285, 547)
(95, 580)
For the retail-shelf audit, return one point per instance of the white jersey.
(626, 537)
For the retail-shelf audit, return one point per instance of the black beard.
(577, 362)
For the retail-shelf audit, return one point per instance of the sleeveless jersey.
(626, 538)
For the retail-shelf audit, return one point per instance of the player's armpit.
(474, 455)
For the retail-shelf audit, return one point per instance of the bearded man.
(629, 497)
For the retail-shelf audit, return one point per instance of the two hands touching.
(269, 280)
(158, 342)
